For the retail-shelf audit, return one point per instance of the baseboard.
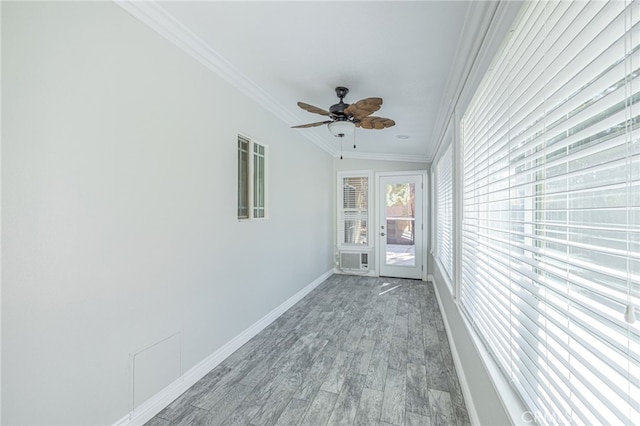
(156, 403)
(464, 385)
(431, 279)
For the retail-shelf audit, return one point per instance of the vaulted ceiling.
(408, 53)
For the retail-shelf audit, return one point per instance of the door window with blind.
(252, 179)
(444, 212)
(551, 211)
(353, 208)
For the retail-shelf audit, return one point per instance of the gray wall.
(488, 405)
(119, 210)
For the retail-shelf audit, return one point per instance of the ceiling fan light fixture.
(341, 128)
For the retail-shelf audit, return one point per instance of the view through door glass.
(400, 224)
(400, 227)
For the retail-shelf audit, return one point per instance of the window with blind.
(252, 179)
(551, 211)
(353, 208)
(444, 212)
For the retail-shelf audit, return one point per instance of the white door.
(400, 227)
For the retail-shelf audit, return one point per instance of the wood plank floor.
(355, 351)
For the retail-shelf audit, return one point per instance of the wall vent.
(354, 261)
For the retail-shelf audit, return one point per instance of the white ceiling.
(286, 52)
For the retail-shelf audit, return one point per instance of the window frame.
(340, 210)
(255, 201)
(447, 273)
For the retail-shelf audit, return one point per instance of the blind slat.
(353, 221)
(551, 210)
(444, 212)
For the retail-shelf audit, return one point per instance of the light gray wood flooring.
(355, 351)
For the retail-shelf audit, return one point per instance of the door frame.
(425, 216)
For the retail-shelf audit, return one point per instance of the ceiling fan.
(345, 117)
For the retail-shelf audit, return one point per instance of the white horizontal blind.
(354, 212)
(551, 211)
(444, 211)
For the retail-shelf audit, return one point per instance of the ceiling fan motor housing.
(338, 109)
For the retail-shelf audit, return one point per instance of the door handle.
(382, 234)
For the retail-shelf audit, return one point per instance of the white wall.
(119, 209)
(376, 165)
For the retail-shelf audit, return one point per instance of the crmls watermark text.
(546, 418)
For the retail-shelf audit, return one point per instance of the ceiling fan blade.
(304, 126)
(313, 109)
(363, 107)
(376, 123)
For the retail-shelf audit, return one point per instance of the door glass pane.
(400, 221)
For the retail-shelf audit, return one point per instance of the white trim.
(340, 175)
(153, 15)
(487, 21)
(432, 208)
(448, 138)
(425, 225)
(267, 180)
(159, 401)
(376, 222)
(1, 274)
(251, 143)
(426, 229)
(477, 21)
(458, 205)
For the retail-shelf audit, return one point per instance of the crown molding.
(157, 18)
(485, 27)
